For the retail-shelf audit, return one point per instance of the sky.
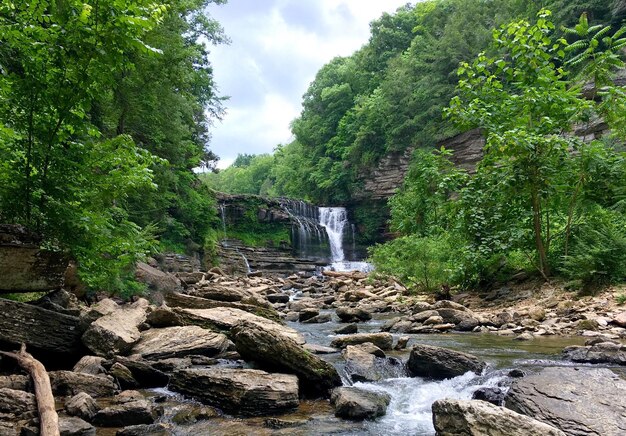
(277, 47)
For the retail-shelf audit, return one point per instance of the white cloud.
(277, 48)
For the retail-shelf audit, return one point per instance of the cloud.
(277, 48)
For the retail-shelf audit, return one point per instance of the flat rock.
(350, 314)
(73, 426)
(69, 383)
(171, 342)
(225, 318)
(128, 413)
(90, 365)
(578, 401)
(384, 341)
(367, 362)
(602, 352)
(247, 392)
(440, 363)
(144, 430)
(82, 405)
(117, 332)
(465, 418)
(16, 402)
(358, 404)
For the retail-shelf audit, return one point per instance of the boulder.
(74, 426)
(347, 329)
(440, 363)
(308, 313)
(247, 392)
(170, 342)
(349, 314)
(578, 401)
(157, 281)
(117, 332)
(163, 317)
(275, 351)
(359, 404)
(463, 319)
(192, 302)
(127, 413)
(465, 418)
(16, 402)
(278, 298)
(90, 365)
(384, 341)
(123, 376)
(603, 352)
(144, 372)
(367, 362)
(225, 318)
(69, 383)
(620, 319)
(491, 395)
(144, 430)
(82, 405)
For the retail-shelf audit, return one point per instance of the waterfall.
(334, 219)
(308, 238)
(224, 241)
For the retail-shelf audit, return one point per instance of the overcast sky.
(277, 47)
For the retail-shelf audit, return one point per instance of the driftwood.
(48, 418)
(42, 329)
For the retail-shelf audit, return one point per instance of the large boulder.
(440, 363)
(171, 342)
(16, 402)
(74, 426)
(275, 351)
(464, 320)
(603, 352)
(82, 405)
(156, 280)
(137, 411)
(384, 341)
(358, 404)
(367, 362)
(465, 418)
(350, 314)
(225, 318)
(117, 332)
(578, 401)
(247, 392)
(179, 300)
(69, 383)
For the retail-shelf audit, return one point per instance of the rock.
(144, 372)
(434, 320)
(225, 319)
(440, 363)
(525, 337)
(276, 351)
(74, 426)
(157, 281)
(128, 413)
(123, 376)
(587, 324)
(190, 413)
(516, 373)
(82, 405)
(401, 343)
(349, 314)
(90, 365)
(144, 430)
(117, 332)
(537, 313)
(308, 313)
(319, 319)
(447, 304)
(278, 298)
(347, 329)
(620, 319)
(578, 401)
(68, 383)
(424, 315)
(179, 342)
(600, 352)
(16, 402)
(384, 341)
(491, 395)
(7, 429)
(367, 362)
(320, 349)
(163, 317)
(465, 418)
(463, 319)
(247, 392)
(179, 300)
(359, 404)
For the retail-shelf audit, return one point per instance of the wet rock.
(128, 413)
(68, 383)
(463, 319)
(424, 315)
(117, 332)
(144, 430)
(190, 413)
(384, 341)
(516, 373)
(278, 423)
(447, 304)
(225, 318)
(587, 324)
(320, 349)
(525, 337)
(90, 365)
(367, 362)
(279, 352)
(462, 418)
(401, 343)
(16, 402)
(440, 363)
(491, 395)
(578, 401)
(143, 372)
(319, 319)
(247, 392)
(347, 329)
(601, 352)
(278, 298)
(308, 313)
(74, 426)
(82, 405)
(359, 404)
(179, 342)
(123, 376)
(349, 314)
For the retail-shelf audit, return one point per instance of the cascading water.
(308, 238)
(224, 241)
(334, 220)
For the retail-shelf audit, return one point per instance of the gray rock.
(477, 418)
(319, 319)
(163, 317)
(82, 405)
(359, 404)
(367, 362)
(602, 352)
(90, 365)
(349, 314)
(463, 319)
(123, 376)
(247, 392)
(347, 329)
(157, 281)
(491, 395)
(308, 313)
(73, 426)
(440, 363)
(384, 341)
(179, 342)
(128, 413)
(578, 401)
(144, 430)
(16, 402)
(68, 383)
(143, 372)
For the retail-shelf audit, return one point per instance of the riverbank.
(261, 355)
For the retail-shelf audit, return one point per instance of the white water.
(334, 220)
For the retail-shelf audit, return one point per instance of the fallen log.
(48, 418)
(43, 329)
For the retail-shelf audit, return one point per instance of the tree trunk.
(541, 249)
(48, 418)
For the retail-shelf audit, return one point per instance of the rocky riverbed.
(338, 353)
